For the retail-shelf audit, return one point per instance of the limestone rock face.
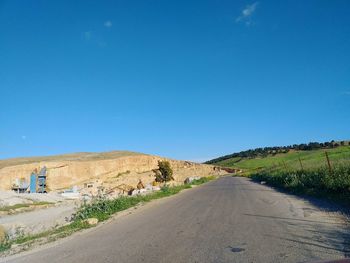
(111, 169)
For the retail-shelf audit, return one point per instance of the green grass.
(312, 178)
(202, 180)
(322, 182)
(310, 159)
(17, 206)
(102, 209)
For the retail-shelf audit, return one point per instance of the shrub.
(164, 173)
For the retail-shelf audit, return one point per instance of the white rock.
(92, 221)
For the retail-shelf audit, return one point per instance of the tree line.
(263, 152)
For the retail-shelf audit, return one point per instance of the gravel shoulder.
(31, 218)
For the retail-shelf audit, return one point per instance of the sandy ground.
(41, 218)
(10, 198)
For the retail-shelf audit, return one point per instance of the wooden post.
(328, 162)
(301, 164)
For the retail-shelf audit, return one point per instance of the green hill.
(299, 171)
(288, 160)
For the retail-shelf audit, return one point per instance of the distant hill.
(311, 155)
(80, 156)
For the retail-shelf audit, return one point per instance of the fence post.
(301, 164)
(328, 162)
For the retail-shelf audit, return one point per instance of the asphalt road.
(227, 220)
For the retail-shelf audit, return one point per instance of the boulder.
(91, 221)
(140, 185)
(189, 180)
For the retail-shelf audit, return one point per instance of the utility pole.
(328, 162)
(301, 164)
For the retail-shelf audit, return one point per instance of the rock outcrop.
(109, 168)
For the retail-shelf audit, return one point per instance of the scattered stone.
(155, 188)
(154, 183)
(262, 182)
(91, 221)
(15, 230)
(189, 180)
(139, 192)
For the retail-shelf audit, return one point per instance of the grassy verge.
(17, 206)
(310, 160)
(333, 184)
(102, 209)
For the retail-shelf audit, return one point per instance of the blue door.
(33, 183)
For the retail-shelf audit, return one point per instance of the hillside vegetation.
(288, 159)
(324, 171)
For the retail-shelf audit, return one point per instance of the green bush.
(164, 173)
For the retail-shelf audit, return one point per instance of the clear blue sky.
(183, 79)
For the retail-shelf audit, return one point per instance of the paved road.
(227, 220)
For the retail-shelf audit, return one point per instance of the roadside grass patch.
(322, 182)
(17, 206)
(102, 209)
(4, 246)
(202, 180)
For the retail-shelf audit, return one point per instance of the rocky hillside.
(110, 168)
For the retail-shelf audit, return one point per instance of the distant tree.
(264, 152)
(164, 173)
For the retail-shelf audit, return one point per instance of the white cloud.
(23, 137)
(247, 13)
(108, 24)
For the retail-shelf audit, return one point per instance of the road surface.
(227, 220)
